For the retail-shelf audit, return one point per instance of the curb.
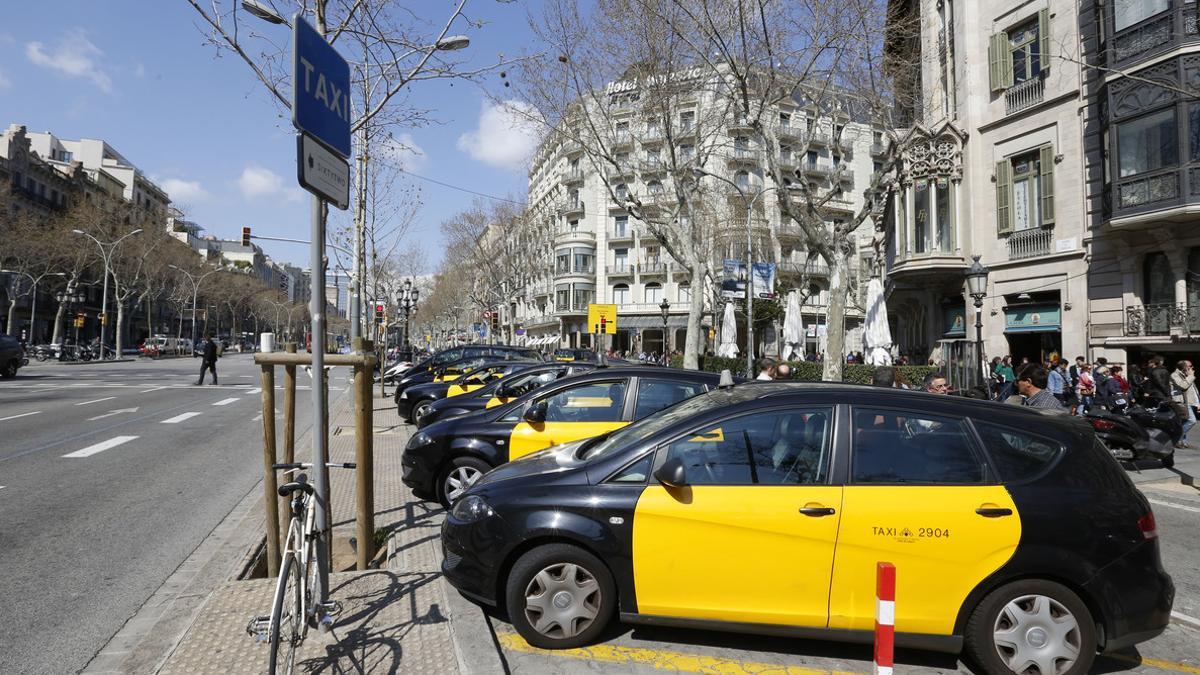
(1181, 619)
(476, 654)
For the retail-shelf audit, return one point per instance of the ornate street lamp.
(665, 308)
(977, 276)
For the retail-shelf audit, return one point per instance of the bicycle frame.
(299, 541)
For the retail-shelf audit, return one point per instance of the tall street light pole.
(749, 202)
(196, 281)
(106, 251)
(977, 278)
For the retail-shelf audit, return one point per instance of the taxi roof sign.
(602, 318)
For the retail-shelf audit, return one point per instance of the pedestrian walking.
(1056, 383)
(1031, 384)
(1085, 390)
(1157, 387)
(1184, 398)
(209, 360)
(1006, 376)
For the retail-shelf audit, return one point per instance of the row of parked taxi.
(582, 493)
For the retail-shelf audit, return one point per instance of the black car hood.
(435, 388)
(558, 461)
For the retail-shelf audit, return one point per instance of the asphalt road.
(110, 476)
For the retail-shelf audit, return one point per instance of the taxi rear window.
(1017, 455)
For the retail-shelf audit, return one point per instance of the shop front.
(1033, 331)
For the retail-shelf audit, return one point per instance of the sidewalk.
(393, 619)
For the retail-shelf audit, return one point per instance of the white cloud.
(184, 190)
(257, 181)
(505, 136)
(403, 151)
(75, 55)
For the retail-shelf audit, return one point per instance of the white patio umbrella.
(728, 347)
(877, 336)
(793, 328)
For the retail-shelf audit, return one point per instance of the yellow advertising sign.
(602, 318)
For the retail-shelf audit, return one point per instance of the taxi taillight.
(1147, 525)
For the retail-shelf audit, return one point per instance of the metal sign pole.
(319, 471)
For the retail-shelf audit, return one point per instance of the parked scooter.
(1132, 432)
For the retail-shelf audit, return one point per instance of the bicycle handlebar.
(306, 465)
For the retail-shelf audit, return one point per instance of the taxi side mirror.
(671, 473)
(536, 414)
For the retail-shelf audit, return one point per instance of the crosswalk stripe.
(179, 418)
(107, 398)
(226, 401)
(256, 390)
(101, 447)
(13, 417)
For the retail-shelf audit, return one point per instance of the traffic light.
(245, 236)
(495, 322)
(379, 312)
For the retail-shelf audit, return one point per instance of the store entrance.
(1035, 346)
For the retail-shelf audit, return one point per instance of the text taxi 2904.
(444, 458)
(766, 507)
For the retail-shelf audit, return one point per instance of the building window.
(1147, 143)
(1026, 57)
(1026, 191)
(653, 255)
(1159, 280)
(1128, 12)
(687, 120)
(837, 160)
(877, 166)
(653, 128)
(742, 180)
(563, 263)
(562, 297)
(785, 119)
(684, 294)
(621, 259)
(621, 191)
(686, 152)
(621, 226)
(1019, 54)
(921, 216)
(654, 187)
(620, 294)
(654, 293)
(582, 296)
(942, 212)
(585, 261)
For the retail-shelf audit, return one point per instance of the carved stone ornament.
(933, 153)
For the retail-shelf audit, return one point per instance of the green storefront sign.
(1032, 319)
(954, 322)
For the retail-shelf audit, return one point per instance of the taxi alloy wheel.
(458, 477)
(1032, 627)
(421, 410)
(560, 597)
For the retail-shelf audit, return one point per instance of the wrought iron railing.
(1029, 243)
(1162, 319)
(1024, 94)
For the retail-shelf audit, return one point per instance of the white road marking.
(1186, 620)
(101, 447)
(13, 417)
(109, 398)
(1160, 502)
(227, 401)
(114, 412)
(179, 418)
(256, 390)
(147, 391)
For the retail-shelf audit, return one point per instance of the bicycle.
(294, 610)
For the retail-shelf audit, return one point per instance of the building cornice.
(1030, 111)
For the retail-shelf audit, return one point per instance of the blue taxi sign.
(320, 88)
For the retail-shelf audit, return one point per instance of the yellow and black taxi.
(499, 392)
(566, 354)
(415, 400)
(453, 355)
(766, 507)
(448, 372)
(444, 458)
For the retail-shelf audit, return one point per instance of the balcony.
(1030, 243)
(879, 148)
(572, 148)
(1152, 191)
(622, 139)
(816, 168)
(572, 176)
(812, 269)
(1024, 94)
(932, 268)
(572, 211)
(624, 170)
(541, 289)
(787, 131)
(1162, 319)
(743, 157)
(653, 268)
(567, 235)
(620, 234)
(540, 321)
(652, 137)
(844, 174)
(1154, 34)
(619, 270)
(653, 166)
(818, 137)
(788, 162)
(790, 231)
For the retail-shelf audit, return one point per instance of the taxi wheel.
(460, 474)
(420, 410)
(560, 597)
(1032, 627)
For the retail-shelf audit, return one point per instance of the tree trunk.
(694, 338)
(119, 343)
(835, 328)
(12, 314)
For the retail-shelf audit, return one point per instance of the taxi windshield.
(603, 446)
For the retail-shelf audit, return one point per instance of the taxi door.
(581, 411)
(918, 497)
(750, 537)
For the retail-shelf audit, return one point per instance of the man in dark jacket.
(1158, 381)
(209, 360)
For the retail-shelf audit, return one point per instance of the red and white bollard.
(885, 617)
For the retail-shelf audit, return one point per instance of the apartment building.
(992, 166)
(583, 246)
(1142, 138)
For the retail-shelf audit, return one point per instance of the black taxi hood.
(554, 461)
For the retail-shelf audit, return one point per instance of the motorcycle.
(1132, 432)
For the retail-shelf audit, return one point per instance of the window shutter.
(1046, 160)
(1000, 61)
(993, 65)
(1044, 39)
(1003, 197)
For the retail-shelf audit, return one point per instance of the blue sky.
(137, 74)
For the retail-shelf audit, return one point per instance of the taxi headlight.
(420, 439)
(470, 509)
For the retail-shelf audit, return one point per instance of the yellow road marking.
(1164, 665)
(663, 660)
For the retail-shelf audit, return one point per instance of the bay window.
(1128, 12)
(1147, 143)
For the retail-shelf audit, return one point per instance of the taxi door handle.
(993, 511)
(817, 511)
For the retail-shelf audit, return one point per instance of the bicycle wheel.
(310, 582)
(286, 619)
